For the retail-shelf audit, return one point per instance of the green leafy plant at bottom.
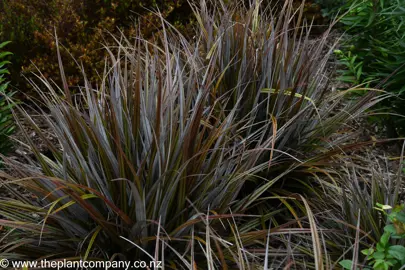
(385, 255)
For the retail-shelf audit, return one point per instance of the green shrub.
(331, 8)
(377, 45)
(230, 124)
(81, 27)
(6, 119)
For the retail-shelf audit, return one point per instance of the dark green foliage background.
(374, 53)
(82, 27)
(6, 121)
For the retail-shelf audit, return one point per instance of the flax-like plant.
(176, 128)
(272, 79)
(140, 154)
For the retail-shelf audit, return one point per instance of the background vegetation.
(373, 52)
(6, 120)
(81, 26)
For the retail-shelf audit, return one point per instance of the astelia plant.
(226, 124)
(6, 119)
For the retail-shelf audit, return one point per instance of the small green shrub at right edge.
(373, 53)
(386, 255)
(6, 119)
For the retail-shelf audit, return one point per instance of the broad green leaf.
(397, 251)
(401, 217)
(379, 255)
(380, 247)
(385, 238)
(379, 264)
(368, 251)
(346, 264)
(390, 228)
